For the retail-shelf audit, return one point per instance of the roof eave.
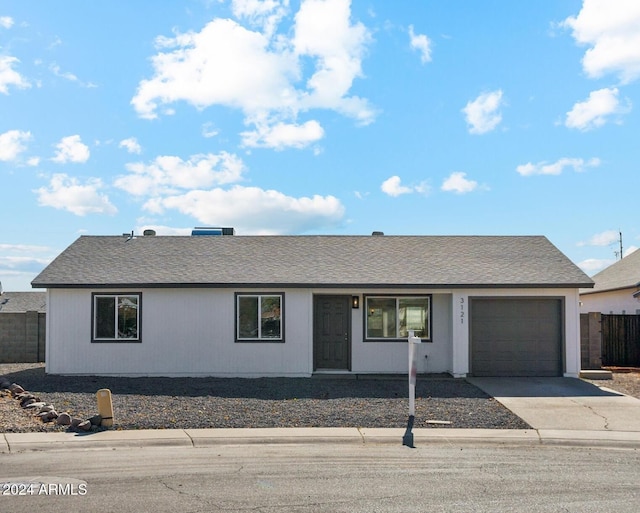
(288, 285)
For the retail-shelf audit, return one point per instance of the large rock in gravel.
(75, 423)
(84, 426)
(36, 405)
(45, 408)
(28, 399)
(48, 416)
(64, 419)
(15, 389)
(96, 420)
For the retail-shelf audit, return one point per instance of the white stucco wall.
(190, 332)
(392, 357)
(612, 302)
(184, 332)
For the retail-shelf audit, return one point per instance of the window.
(259, 317)
(116, 317)
(391, 318)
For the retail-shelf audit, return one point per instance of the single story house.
(616, 290)
(250, 306)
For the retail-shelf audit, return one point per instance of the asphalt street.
(326, 477)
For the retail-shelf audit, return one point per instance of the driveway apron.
(564, 403)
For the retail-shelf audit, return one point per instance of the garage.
(513, 336)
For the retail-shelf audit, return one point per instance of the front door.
(331, 332)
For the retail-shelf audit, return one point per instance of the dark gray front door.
(331, 332)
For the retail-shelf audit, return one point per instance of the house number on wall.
(461, 310)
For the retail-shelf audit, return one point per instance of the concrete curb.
(190, 438)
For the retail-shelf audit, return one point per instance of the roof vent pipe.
(377, 234)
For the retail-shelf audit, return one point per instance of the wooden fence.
(620, 340)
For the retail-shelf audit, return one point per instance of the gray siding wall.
(22, 337)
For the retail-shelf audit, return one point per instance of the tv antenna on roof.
(620, 241)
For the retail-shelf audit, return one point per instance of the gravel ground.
(161, 403)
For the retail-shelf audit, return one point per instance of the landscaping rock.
(36, 405)
(48, 416)
(27, 401)
(46, 408)
(84, 426)
(75, 423)
(96, 420)
(15, 389)
(64, 419)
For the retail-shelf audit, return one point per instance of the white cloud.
(6, 22)
(131, 144)
(10, 77)
(605, 238)
(482, 114)
(612, 31)
(71, 149)
(392, 187)
(12, 143)
(254, 210)
(57, 71)
(556, 168)
(421, 43)
(261, 73)
(283, 135)
(168, 174)
(66, 193)
(265, 14)
(594, 111)
(19, 264)
(66, 75)
(458, 183)
(593, 265)
(209, 130)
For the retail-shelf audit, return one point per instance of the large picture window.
(391, 318)
(259, 317)
(116, 317)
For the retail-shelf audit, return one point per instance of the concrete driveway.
(564, 403)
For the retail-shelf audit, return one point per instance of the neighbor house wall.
(22, 337)
(616, 302)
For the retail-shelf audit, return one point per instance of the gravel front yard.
(162, 403)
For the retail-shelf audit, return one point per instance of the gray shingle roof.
(623, 274)
(318, 261)
(16, 302)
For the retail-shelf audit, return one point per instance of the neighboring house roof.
(16, 302)
(624, 274)
(312, 261)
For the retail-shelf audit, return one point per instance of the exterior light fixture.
(355, 301)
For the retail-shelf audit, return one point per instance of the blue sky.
(457, 117)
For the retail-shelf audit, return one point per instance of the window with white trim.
(116, 317)
(259, 317)
(392, 317)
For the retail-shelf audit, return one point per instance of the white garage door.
(516, 337)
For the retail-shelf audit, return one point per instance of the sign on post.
(407, 439)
